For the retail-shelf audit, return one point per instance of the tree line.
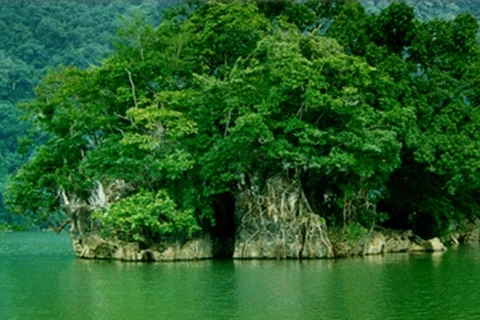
(373, 114)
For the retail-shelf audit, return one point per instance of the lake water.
(41, 279)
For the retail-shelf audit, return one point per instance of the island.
(262, 130)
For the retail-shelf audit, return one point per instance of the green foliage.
(371, 112)
(6, 227)
(10, 129)
(430, 9)
(146, 217)
(38, 35)
(354, 231)
(431, 63)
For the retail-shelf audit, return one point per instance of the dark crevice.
(148, 256)
(223, 232)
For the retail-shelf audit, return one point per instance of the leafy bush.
(147, 217)
(11, 227)
(351, 233)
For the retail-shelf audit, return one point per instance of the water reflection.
(394, 286)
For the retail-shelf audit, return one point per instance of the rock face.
(463, 232)
(304, 239)
(278, 224)
(95, 247)
(343, 249)
(376, 244)
(468, 232)
(389, 241)
(274, 223)
(434, 245)
(397, 241)
(88, 244)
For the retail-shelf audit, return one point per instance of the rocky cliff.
(276, 223)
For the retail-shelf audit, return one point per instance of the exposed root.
(279, 223)
(79, 211)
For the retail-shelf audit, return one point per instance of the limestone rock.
(451, 240)
(316, 243)
(92, 247)
(248, 250)
(343, 249)
(95, 247)
(469, 232)
(471, 236)
(417, 244)
(195, 249)
(278, 223)
(388, 241)
(375, 244)
(434, 245)
(415, 247)
(127, 251)
(397, 241)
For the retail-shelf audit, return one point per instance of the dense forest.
(428, 10)
(37, 35)
(370, 110)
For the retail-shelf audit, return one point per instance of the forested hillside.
(430, 9)
(37, 35)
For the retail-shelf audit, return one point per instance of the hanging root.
(79, 211)
(279, 223)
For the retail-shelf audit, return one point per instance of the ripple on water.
(40, 279)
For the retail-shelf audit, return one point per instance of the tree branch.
(133, 86)
(62, 226)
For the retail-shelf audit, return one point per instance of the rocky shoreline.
(95, 247)
(390, 241)
(277, 223)
(263, 246)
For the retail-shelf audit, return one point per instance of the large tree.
(372, 116)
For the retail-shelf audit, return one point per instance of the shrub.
(147, 217)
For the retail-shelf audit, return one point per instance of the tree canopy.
(38, 35)
(374, 115)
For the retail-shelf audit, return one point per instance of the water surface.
(41, 279)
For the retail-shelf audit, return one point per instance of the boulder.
(391, 241)
(368, 245)
(417, 244)
(452, 240)
(434, 245)
(375, 244)
(415, 247)
(397, 241)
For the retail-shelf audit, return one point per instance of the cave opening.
(223, 232)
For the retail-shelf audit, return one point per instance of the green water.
(40, 279)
